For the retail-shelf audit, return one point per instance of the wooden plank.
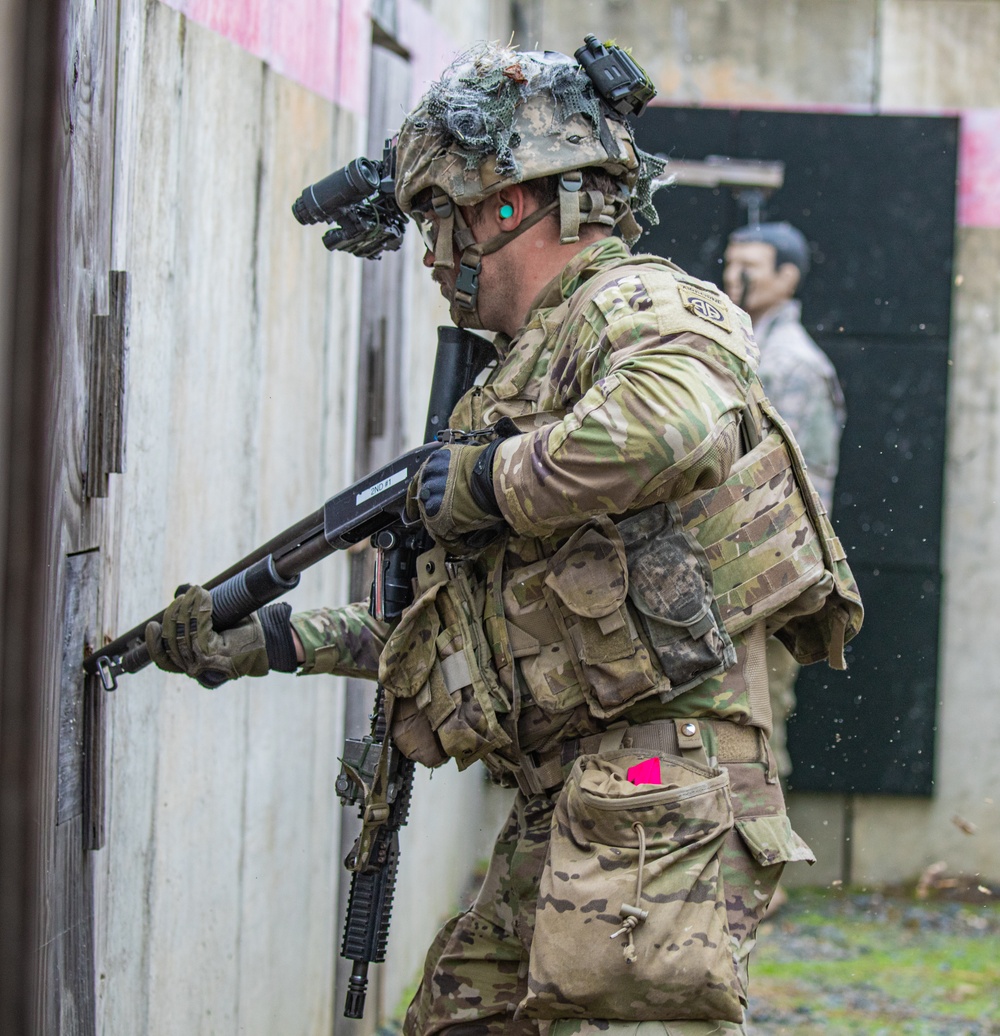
(95, 789)
(106, 391)
(113, 454)
(82, 189)
(96, 475)
(72, 949)
(79, 616)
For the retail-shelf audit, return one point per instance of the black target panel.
(875, 196)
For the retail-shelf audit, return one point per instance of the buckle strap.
(733, 744)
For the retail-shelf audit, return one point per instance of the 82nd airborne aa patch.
(703, 303)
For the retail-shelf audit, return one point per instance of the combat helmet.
(499, 116)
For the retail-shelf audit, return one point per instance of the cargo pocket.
(436, 665)
(587, 585)
(670, 585)
(631, 916)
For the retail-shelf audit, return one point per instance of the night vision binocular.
(361, 200)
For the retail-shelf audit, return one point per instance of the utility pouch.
(631, 917)
(670, 585)
(436, 665)
(586, 586)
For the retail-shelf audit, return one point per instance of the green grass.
(828, 965)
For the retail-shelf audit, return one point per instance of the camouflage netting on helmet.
(475, 102)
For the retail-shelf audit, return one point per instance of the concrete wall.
(219, 882)
(884, 55)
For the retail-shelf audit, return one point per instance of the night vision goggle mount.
(360, 199)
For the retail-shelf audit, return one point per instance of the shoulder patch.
(704, 303)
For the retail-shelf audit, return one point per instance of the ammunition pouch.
(436, 667)
(618, 613)
(670, 586)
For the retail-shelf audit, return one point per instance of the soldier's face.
(429, 224)
(491, 303)
(751, 279)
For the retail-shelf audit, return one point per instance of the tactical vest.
(495, 660)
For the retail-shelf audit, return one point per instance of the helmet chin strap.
(575, 207)
(465, 302)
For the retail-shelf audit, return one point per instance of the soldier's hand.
(453, 493)
(186, 642)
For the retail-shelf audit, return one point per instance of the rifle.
(373, 775)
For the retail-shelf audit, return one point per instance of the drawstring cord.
(632, 916)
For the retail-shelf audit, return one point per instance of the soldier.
(590, 624)
(765, 266)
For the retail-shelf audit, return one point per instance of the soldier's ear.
(511, 206)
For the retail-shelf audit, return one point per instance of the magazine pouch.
(436, 665)
(670, 587)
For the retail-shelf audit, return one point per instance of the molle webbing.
(772, 550)
(758, 535)
(755, 674)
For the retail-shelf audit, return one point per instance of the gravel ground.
(870, 963)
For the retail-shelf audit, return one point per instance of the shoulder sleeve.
(661, 421)
(344, 641)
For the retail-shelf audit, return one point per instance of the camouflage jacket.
(801, 382)
(634, 399)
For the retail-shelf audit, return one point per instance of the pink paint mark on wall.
(237, 20)
(354, 55)
(302, 37)
(979, 168)
(323, 44)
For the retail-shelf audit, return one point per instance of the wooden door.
(63, 438)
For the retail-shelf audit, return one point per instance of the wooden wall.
(219, 884)
(193, 392)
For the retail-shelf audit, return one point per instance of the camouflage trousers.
(475, 972)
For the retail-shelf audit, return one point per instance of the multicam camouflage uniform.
(529, 652)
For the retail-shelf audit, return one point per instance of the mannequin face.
(751, 279)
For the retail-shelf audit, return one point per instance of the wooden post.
(30, 71)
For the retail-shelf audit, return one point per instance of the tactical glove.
(187, 643)
(454, 496)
